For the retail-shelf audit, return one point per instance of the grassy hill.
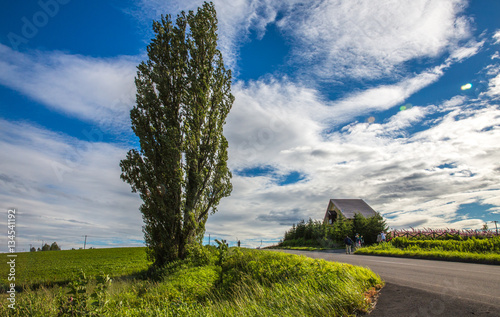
(242, 282)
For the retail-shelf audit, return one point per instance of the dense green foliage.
(183, 99)
(246, 283)
(50, 268)
(470, 250)
(46, 247)
(315, 233)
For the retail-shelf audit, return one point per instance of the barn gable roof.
(349, 207)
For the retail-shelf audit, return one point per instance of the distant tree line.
(316, 233)
(46, 247)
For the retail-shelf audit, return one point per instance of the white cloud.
(270, 117)
(469, 49)
(367, 39)
(383, 97)
(65, 188)
(494, 86)
(496, 37)
(235, 20)
(393, 170)
(95, 90)
(75, 185)
(341, 39)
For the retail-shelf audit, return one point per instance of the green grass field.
(58, 267)
(246, 283)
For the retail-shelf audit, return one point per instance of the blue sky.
(334, 99)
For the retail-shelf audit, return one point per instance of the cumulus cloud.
(341, 39)
(366, 39)
(95, 90)
(269, 117)
(416, 179)
(64, 188)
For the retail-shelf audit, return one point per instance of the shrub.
(314, 233)
(201, 255)
(78, 301)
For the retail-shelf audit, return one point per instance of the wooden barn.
(348, 208)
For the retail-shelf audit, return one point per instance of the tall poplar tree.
(183, 99)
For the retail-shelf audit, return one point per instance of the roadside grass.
(307, 245)
(247, 283)
(298, 248)
(472, 250)
(314, 244)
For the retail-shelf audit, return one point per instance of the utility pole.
(85, 243)
(496, 227)
(209, 239)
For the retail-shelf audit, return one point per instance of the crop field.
(48, 268)
(442, 234)
(238, 282)
(491, 245)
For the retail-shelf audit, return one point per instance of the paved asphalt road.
(417, 287)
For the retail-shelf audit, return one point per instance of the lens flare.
(406, 107)
(371, 119)
(466, 86)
